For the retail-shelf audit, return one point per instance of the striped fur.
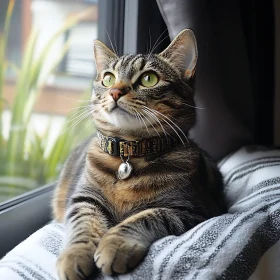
(115, 221)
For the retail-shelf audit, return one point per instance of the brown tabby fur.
(111, 223)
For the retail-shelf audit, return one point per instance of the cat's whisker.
(111, 43)
(178, 128)
(141, 116)
(75, 108)
(76, 122)
(174, 130)
(96, 110)
(78, 114)
(150, 123)
(170, 123)
(141, 120)
(91, 122)
(156, 42)
(86, 112)
(157, 120)
(201, 108)
(157, 45)
(154, 117)
(137, 116)
(168, 117)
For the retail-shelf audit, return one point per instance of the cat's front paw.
(119, 254)
(76, 262)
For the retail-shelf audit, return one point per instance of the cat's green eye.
(149, 79)
(108, 80)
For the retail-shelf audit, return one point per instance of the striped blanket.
(242, 244)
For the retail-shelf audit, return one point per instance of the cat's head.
(146, 94)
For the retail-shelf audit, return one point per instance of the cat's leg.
(85, 225)
(125, 245)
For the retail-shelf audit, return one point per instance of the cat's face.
(148, 93)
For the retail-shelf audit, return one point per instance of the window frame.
(15, 215)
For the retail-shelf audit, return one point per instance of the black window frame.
(23, 215)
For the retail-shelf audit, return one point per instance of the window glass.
(46, 71)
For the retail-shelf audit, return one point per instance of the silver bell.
(124, 170)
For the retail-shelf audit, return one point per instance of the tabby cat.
(141, 178)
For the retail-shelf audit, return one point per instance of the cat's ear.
(182, 53)
(102, 55)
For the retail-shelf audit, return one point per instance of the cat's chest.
(102, 172)
(147, 182)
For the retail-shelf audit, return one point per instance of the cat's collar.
(119, 147)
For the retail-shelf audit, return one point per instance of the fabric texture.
(242, 244)
(227, 122)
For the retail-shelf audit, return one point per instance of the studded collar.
(119, 147)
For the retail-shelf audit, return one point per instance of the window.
(46, 71)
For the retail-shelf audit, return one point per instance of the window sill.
(23, 215)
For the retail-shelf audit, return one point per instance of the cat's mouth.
(120, 110)
(120, 116)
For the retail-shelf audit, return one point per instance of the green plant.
(24, 162)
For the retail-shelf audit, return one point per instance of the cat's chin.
(122, 119)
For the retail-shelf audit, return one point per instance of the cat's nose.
(116, 93)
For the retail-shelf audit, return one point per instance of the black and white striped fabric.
(242, 244)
